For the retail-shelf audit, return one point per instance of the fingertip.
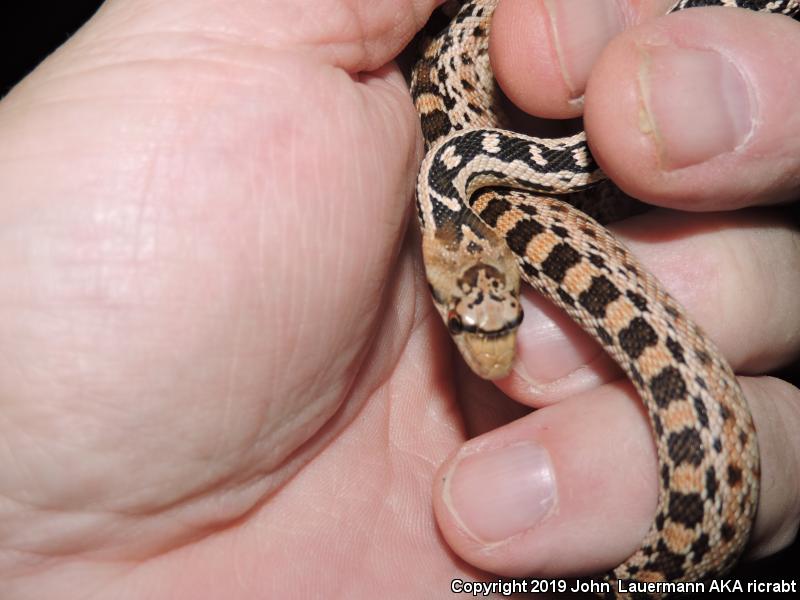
(690, 110)
(526, 63)
(555, 358)
(519, 474)
(775, 405)
(543, 51)
(541, 57)
(545, 494)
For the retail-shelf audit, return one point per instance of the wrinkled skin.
(223, 375)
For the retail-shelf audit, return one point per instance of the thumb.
(696, 110)
(571, 488)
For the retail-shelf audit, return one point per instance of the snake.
(497, 208)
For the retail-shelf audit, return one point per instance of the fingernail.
(550, 347)
(696, 104)
(580, 31)
(555, 357)
(499, 492)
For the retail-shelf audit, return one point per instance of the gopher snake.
(489, 218)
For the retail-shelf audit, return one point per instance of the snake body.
(490, 217)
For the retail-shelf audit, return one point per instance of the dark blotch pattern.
(685, 446)
(636, 337)
(743, 437)
(632, 269)
(638, 300)
(667, 386)
(734, 475)
(604, 336)
(435, 124)
(658, 426)
(667, 562)
(702, 356)
(494, 210)
(702, 414)
(531, 271)
(727, 530)
(560, 260)
(600, 294)
(711, 483)
(566, 298)
(635, 375)
(522, 233)
(597, 260)
(686, 509)
(700, 548)
(676, 350)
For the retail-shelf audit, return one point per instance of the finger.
(737, 274)
(696, 110)
(571, 489)
(542, 51)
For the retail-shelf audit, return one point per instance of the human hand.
(657, 128)
(222, 373)
(209, 391)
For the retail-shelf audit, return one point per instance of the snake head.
(482, 313)
(475, 281)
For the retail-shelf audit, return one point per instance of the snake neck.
(447, 103)
(460, 165)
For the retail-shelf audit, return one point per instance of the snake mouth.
(489, 357)
(494, 334)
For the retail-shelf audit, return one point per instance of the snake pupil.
(454, 323)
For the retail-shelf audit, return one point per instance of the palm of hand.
(217, 339)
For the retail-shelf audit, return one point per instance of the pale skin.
(222, 371)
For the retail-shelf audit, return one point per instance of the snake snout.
(488, 357)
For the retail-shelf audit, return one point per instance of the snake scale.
(495, 208)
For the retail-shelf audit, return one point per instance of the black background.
(39, 28)
(33, 29)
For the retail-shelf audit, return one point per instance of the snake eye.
(454, 323)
